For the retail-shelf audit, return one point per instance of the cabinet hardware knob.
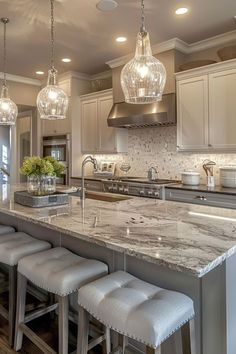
(200, 197)
(209, 145)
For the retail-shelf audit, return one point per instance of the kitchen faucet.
(152, 173)
(95, 165)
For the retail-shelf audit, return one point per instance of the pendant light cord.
(52, 36)
(142, 29)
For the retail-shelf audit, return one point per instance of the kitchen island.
(183, 247)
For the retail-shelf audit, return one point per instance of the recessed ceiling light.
(39, 72)
(181, 11)
(121, 39)
(106, 5)
(66, 60)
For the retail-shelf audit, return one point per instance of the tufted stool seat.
(14, 246)
(5, 229)
(60, 272)
(135, 308)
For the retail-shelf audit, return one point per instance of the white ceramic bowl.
(228, 176)
(190, 178)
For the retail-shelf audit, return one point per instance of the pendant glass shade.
(143, 78)
(8, 109)
(52, 101)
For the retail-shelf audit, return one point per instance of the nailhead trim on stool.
(60, 272)
(14, 246)
(135, 308)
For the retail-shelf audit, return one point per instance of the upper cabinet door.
(89, 125)
(222, 109)
(106, 135)
(192, 108)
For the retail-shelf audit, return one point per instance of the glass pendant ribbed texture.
(52, 101)
(8, 109)
(143, 78)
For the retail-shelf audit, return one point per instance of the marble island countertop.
(188, 238)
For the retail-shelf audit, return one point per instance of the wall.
(157, 147)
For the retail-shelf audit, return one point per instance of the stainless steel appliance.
(137, 186)
(162, 113)
(58, 147)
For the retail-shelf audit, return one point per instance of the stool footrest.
(46, 349)
(95, 341)
(39, 313)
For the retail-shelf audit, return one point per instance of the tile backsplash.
(157, 147)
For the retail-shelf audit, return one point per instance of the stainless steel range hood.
(125, 115)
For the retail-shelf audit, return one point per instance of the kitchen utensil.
(208, 167)
(191, 178)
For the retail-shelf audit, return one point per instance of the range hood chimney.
(125, 115)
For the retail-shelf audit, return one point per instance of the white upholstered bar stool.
(135, 309)
(59, 272)
(14, 246)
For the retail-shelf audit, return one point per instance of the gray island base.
(182, 247)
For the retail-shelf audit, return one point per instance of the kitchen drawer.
(201, 198)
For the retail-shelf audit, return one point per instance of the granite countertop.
(203, 188)
(188, 238)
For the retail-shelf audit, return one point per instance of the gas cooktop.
(144, 180)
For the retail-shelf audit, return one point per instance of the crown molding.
(212, 42)
(73, 74)
(181, 46)
(21, 79)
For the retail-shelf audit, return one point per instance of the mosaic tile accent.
(157, 147)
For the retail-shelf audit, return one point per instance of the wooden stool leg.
(192, 335)
(20, 310)
(188, 338)
(153, 351)
(63, 302)
(108, 340)
(12, 303)
(83, 331)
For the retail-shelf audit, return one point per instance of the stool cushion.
(17, 245)
(4, 229)
(135, 308)
(60, 271)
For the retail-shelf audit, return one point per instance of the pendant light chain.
(4, 21)
(143, 29)
(52, 35)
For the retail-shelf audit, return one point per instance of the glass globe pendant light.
(143, 78)
(52, 101)
(8, 109)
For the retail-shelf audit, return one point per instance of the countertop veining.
(188, 238)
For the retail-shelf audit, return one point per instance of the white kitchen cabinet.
(222, 109)
(97, 137)
(206, 107)
(192, 113)
(89, 125)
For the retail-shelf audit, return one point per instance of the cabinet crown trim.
(208, 69)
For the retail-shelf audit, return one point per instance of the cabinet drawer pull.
(200, 197)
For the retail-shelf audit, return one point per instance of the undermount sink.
(105, 197)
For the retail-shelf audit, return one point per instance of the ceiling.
(87, 36)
